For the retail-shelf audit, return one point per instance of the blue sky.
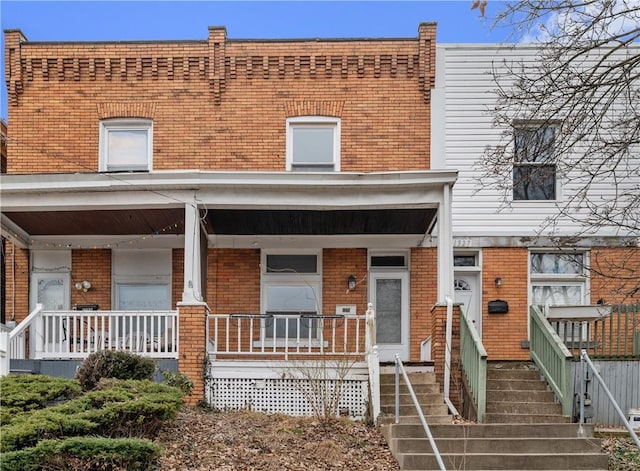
(157, 20)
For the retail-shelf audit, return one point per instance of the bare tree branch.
(585, 81)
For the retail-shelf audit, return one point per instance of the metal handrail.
(585, 360)
(425, 425)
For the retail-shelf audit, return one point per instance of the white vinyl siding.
(462, 128)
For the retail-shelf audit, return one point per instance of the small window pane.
(557, 295)
(534, 144)
(292, 263)
(388, 261)
(313, 144)
(127, 148)
(291, 298)
(464, 260)
(143, 297)
(534, 182)
(565, 264)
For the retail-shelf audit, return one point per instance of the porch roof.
(46, 207)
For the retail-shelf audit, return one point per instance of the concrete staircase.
(427, 391)
(517, 394)
(540, 438)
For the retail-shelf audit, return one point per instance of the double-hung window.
(534, 168)
(557, 278)
(313, 144)
(291, 287)
(126, 145)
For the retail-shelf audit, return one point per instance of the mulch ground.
(200, 439)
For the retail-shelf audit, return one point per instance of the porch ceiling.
(100, 222)
(328, 222)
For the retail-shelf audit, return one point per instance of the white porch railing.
(284, 336)
(77, 334)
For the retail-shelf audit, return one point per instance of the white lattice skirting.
(288, 396)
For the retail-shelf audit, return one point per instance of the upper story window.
(534, 169)
(313, 144)
(126, 145)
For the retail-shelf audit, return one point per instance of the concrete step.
(503, 395)
(409, 409)
(387, 420)
(428, 398)
(530, 375)
(498, 461)
(415, 378)
(505, 445)
(526, 419)
(520, 385)
(430, 388)
(523, 408)
(554, 430)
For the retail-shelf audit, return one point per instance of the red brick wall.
(615, 275)
(233, 281)
(424, 293)
(220, 104)
(16, 301)
(95, 267)
(502, 333)
(191, 353)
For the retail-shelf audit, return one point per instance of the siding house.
(501, 251)
(224, 199)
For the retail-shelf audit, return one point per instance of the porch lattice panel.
(283, 396)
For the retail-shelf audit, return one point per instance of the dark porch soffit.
(307, 222)
(100, 222)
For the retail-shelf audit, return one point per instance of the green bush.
(113, 364)
(83, 453)
(115, 409)
(178, 380)
(28, 392)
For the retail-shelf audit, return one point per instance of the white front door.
(467, 293)
(389, 293)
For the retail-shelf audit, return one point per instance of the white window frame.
(559, 279)
(122, 124)
(389, 253)
(267, 279)
(313, 121)
(533, 125)
(123, 276)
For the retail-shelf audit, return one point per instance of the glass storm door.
(390, 297)
(52, 290)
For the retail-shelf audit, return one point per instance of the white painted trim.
(192, 282)
(124, 124)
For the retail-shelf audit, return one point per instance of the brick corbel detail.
(128, 109)
(331, 108)
(427, 59)
(438, 345)
(192, 347)
(13, 40)
(217, 51)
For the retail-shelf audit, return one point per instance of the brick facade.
(502, 334)
(220, 104)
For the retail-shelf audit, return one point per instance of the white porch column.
(445, 247)
(192, 271)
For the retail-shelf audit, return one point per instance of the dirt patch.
(200, 439)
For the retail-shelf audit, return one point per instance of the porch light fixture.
(351, 283)
(498, 282)
(83, 286)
